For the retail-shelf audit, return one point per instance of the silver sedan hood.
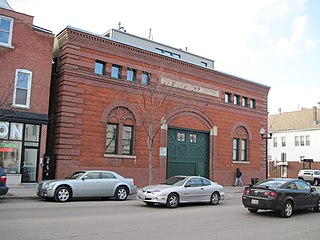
(157, 187)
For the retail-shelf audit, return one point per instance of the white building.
(295, 142)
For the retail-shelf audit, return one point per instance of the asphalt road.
(109, 219)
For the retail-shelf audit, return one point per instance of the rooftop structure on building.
(4, 4)
(150, 45)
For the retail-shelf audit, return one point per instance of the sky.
(271, 42)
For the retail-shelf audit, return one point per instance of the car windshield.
(75, 175)
(273, 183)
(175, 181)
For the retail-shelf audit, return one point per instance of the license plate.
(254, 201)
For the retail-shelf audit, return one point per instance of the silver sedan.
(87, 184)
(182, 189)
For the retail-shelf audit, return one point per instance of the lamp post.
(265, 136)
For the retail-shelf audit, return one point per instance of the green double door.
(188, 153)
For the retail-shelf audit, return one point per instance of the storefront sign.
(4, 130)
(16, 130)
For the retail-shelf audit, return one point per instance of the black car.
(281, 194)
(3, 180)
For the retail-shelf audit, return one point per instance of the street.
(110, 219)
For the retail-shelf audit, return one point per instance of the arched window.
(120, 132)
(240, 144)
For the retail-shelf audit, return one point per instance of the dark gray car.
(3, 180)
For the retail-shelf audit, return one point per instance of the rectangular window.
(158, 50)
(5, 30)
(244, 102)
(131, 74)
(283, 141)
(252, 103)
(116, 71)
(175, 55)
(307, 140)
(193, 138)
(167, 53)
(100, 68)
(227, 97)
(181, 137)
(22, 89)
(112, 138)
(32, 133)
(145, 78)
(296, 141)
(301, 140)
(235, 149)
(204, 64)
(236, 99)
(275, 142)
(127, 140)
(244, 150)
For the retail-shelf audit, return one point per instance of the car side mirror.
(187, 185)
(313, 189)
(84, 178)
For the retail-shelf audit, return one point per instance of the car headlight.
(47, 186)
(155, 192)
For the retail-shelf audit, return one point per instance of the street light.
(265, 136)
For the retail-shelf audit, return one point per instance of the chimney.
(315, 117)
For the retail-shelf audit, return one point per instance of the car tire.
(287, 209)
(172, 200)
(253, 210)
(316, 182)
(121, 193)
(62, 194)
(317, 208)
(215, 198)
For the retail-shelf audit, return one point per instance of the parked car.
(87, 184)
(3, 181)
(281, 194)
(182, 189)
(309, 175)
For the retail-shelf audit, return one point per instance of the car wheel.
(287, 209)
(316, 182)
(253, 210)
(62, 194)
(121, 193)
(317, 208)
(215, 198)
(172, 200)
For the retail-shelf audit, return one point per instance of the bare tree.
(154, 106)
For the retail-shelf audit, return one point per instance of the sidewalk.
(21, 191)
(29, 191)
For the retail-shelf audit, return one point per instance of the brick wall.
(31, 50)
(82, 98)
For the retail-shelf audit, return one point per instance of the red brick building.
(25, 67)
(209, 121)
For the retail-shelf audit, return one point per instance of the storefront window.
(10, 156)
(32, 133)
(15, 137)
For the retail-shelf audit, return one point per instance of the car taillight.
(246, 191)
(271, 194)
(3, 179)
